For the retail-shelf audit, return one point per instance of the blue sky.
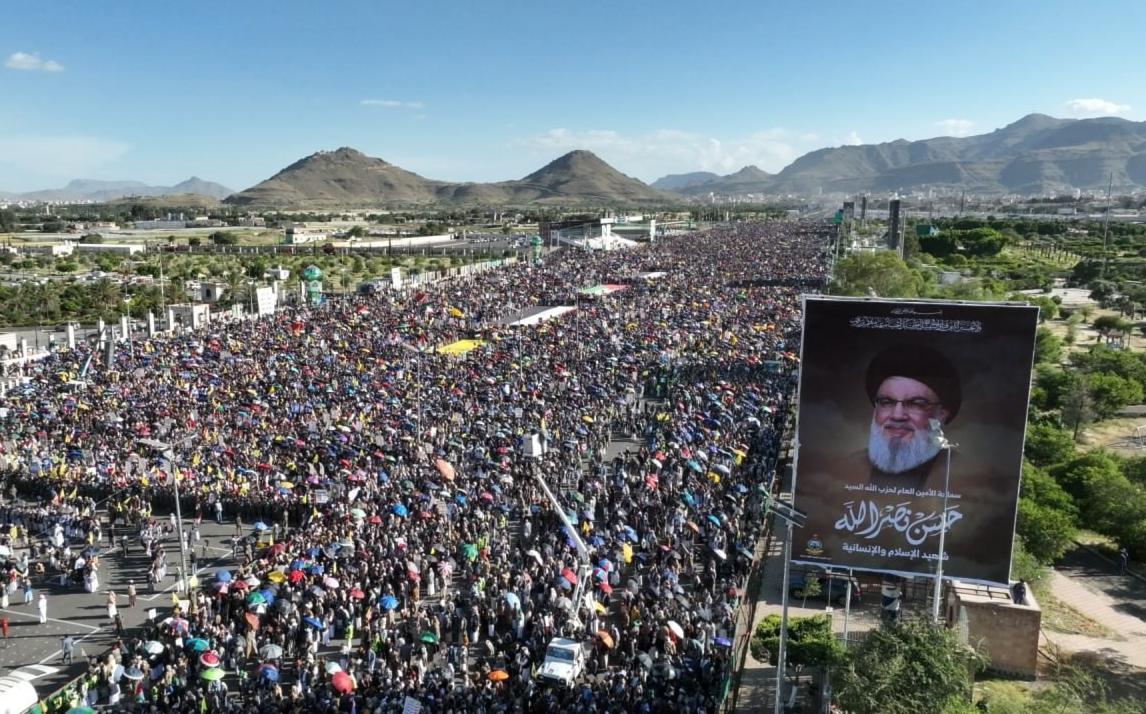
(234, 91)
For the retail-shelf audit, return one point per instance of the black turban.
(922, 364)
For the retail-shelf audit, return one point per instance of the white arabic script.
(867, 519)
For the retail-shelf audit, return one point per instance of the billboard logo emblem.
(815, 546)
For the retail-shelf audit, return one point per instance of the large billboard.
(884, 384)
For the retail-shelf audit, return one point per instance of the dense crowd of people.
(418, 553)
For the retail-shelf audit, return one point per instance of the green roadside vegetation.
(58, 290)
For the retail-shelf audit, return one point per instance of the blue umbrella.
(688, 498)
(269, 673)
(513, 600)
(723, 642)
(198, 644)
(692, 464)
(460, 499)
(389, 602)
(312, 552)
(268, 596)
(630, 533)
(297, 564)
(715, 520)
(314, 622)
(741, 488)
(223, 576)
(596, 541)
(260, 526)
(318, 569)
(400, 510)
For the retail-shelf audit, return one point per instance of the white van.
(17, 695)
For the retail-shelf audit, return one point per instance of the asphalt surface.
(72, 611)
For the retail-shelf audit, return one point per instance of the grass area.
(1060, 617)
(1071, 684)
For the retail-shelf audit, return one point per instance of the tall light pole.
(792, 518)
(944, 444)
(167, 451)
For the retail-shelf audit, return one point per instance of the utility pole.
(167, 451)
(792, 518)
(1106, 227)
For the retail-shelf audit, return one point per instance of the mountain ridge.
(347, 177)
(1036, 154)
(100, 191)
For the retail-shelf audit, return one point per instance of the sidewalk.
(1088, 583)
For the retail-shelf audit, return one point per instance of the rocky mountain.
(347, 177)
(101, 191)
(675, 182)
(1037, 154)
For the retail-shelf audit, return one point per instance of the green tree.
(91, 238)
(811, 642)
(1077, 404)
(223, 238)
(1048, 444)
(1047, 516)
(1110, 392)
(905, 668)
(1048, 348)
(1111, 326)
(881, 272)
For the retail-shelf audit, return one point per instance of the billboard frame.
(938, 571)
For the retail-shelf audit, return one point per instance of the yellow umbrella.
(587, 419)
(276, 577)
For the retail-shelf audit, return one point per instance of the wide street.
(71, 611)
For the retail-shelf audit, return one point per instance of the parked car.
(833, 587)
(564, 662)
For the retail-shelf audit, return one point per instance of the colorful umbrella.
(198, 644)
(606, 638)
(271, 651)
(498, 675)
(389, 602)
(213, 675)
(342, 683)
(429, 638)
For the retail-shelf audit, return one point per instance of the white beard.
(894, 456)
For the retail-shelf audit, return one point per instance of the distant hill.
(347, 177)
(1037, 154)
(104, 191)
(675, 182)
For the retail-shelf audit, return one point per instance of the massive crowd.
(418, 553)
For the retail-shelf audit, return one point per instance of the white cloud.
(31, 62)
(852, 139)
(955, 127)
(391, 104)
(665, 151)
(64, 156)
(1095, 107)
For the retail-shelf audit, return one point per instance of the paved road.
(1090, 584)
(72, 611)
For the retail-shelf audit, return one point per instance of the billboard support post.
(780, 658)
(937, 430)
(847, 607)
(791, 517)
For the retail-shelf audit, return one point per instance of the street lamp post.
(944, 444)
(168, 452)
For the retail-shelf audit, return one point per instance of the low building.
(298, 235)
(189, 316)
(989, 618)
(116, 248)
(161, 224)
(205, 290)
(55, 250)
(253, 222)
